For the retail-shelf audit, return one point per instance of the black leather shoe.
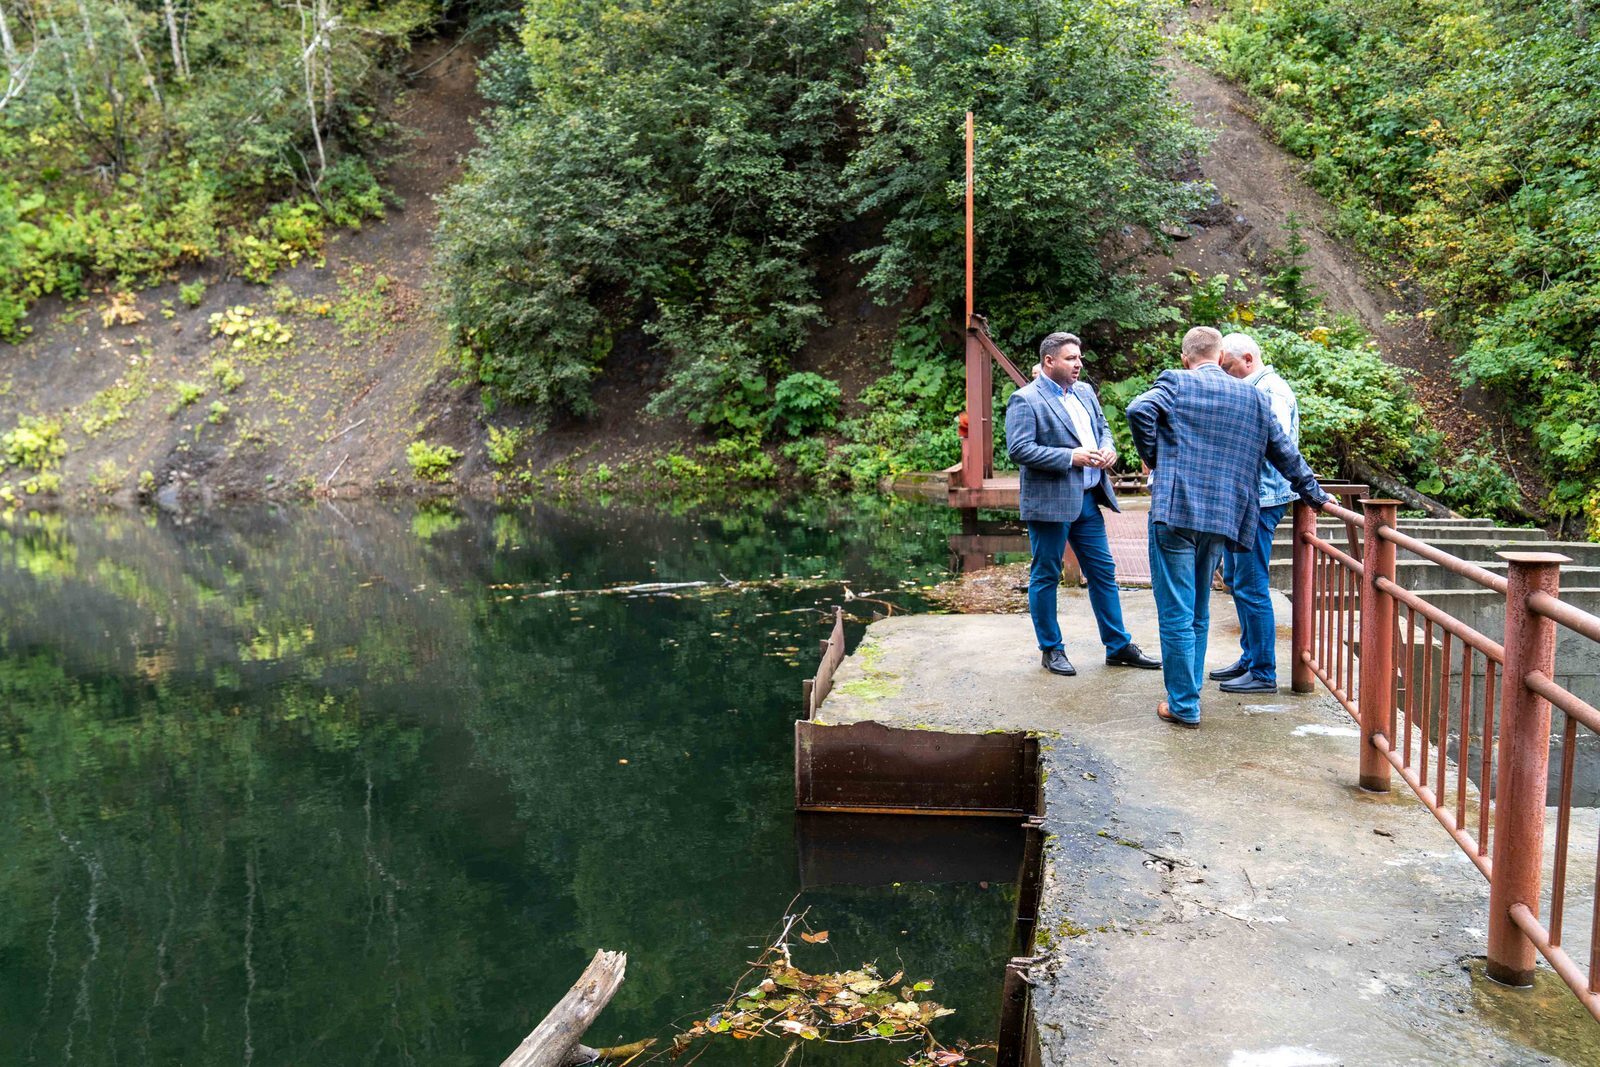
(1056, 662)
(1133, 656)
(1237, 669)
(1250, 683)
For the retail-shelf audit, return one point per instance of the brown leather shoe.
(1172, 720)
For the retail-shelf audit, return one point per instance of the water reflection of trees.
(307, 786)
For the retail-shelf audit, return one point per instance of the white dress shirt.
(1083, 426)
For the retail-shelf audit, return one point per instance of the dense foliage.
(138, 136)
(1461, 135)
(690, 166)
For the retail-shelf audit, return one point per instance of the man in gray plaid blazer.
(1205, 436)
(1058, 436)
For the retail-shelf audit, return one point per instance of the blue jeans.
(1252, 597)
(1087, 535)
(1182, 562)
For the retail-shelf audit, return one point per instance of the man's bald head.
(1201, 345)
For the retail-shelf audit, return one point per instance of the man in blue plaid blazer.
(1205, 436)
(1058, 436)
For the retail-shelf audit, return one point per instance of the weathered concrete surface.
(1225, 893)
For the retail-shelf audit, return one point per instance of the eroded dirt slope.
(351, 366)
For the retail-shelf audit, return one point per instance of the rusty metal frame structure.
(868, 769)
(1389, 656)
(972, 481)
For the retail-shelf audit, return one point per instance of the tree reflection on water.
(336, 785)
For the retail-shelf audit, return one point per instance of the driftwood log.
(555, 1041)
(1384, 482)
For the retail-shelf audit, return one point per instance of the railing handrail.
(1332, 589)
(1454, 564)
(1571, 616)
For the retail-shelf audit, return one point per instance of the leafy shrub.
(33, 444)
(185, 395)
(226, 375)
(192, 293)
(1459, 136)
(691, 197)
(504, 441)
(805, 402)
(254, 337)
(431, 463)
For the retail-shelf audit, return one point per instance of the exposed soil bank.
(357, 350)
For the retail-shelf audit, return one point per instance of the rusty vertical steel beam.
(1302, 619)
(970, 308)
(986, 408)
(979, 414)
(1524, 764)
(1377, 641)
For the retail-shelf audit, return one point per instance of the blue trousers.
(1182, 562)
(1252, 597)
(1087, 535)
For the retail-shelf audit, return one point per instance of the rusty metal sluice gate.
(858, 786)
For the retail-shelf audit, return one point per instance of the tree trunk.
(180, 62)
(1384, 482)
(554, 1041)
(138, 51)
(72, 74)
(19, 65)
(309, 43)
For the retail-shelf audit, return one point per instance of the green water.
(335, 785)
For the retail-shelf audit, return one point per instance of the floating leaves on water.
(838, 1007)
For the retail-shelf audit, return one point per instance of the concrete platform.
(1227, 895)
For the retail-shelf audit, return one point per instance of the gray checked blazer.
(1205, 435)
(1040, 440)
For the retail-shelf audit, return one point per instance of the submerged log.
(554, 1041)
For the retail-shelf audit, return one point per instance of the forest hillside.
(618, 245)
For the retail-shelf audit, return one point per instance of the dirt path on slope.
(1260, 184)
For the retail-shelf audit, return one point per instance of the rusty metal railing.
(1407, 672)
(815, 690)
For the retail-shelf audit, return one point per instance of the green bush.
(134, 165)
(431, 463)
(226, 375)
(805, 402)
(697, 197)
(185, 394)
(504, 442)
(34, 444)
(1460, 137)
(192, 293)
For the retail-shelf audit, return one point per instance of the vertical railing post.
(974, 455)
(1377, 641)
(1302, 619)
(1522, 777)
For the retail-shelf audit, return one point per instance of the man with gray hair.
(1058, 435)
(1256, 669)
(1204, 435)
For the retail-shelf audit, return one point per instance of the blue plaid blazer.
(1205, 435)
(1040, 440)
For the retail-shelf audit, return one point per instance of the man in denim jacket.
(1256, 669)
